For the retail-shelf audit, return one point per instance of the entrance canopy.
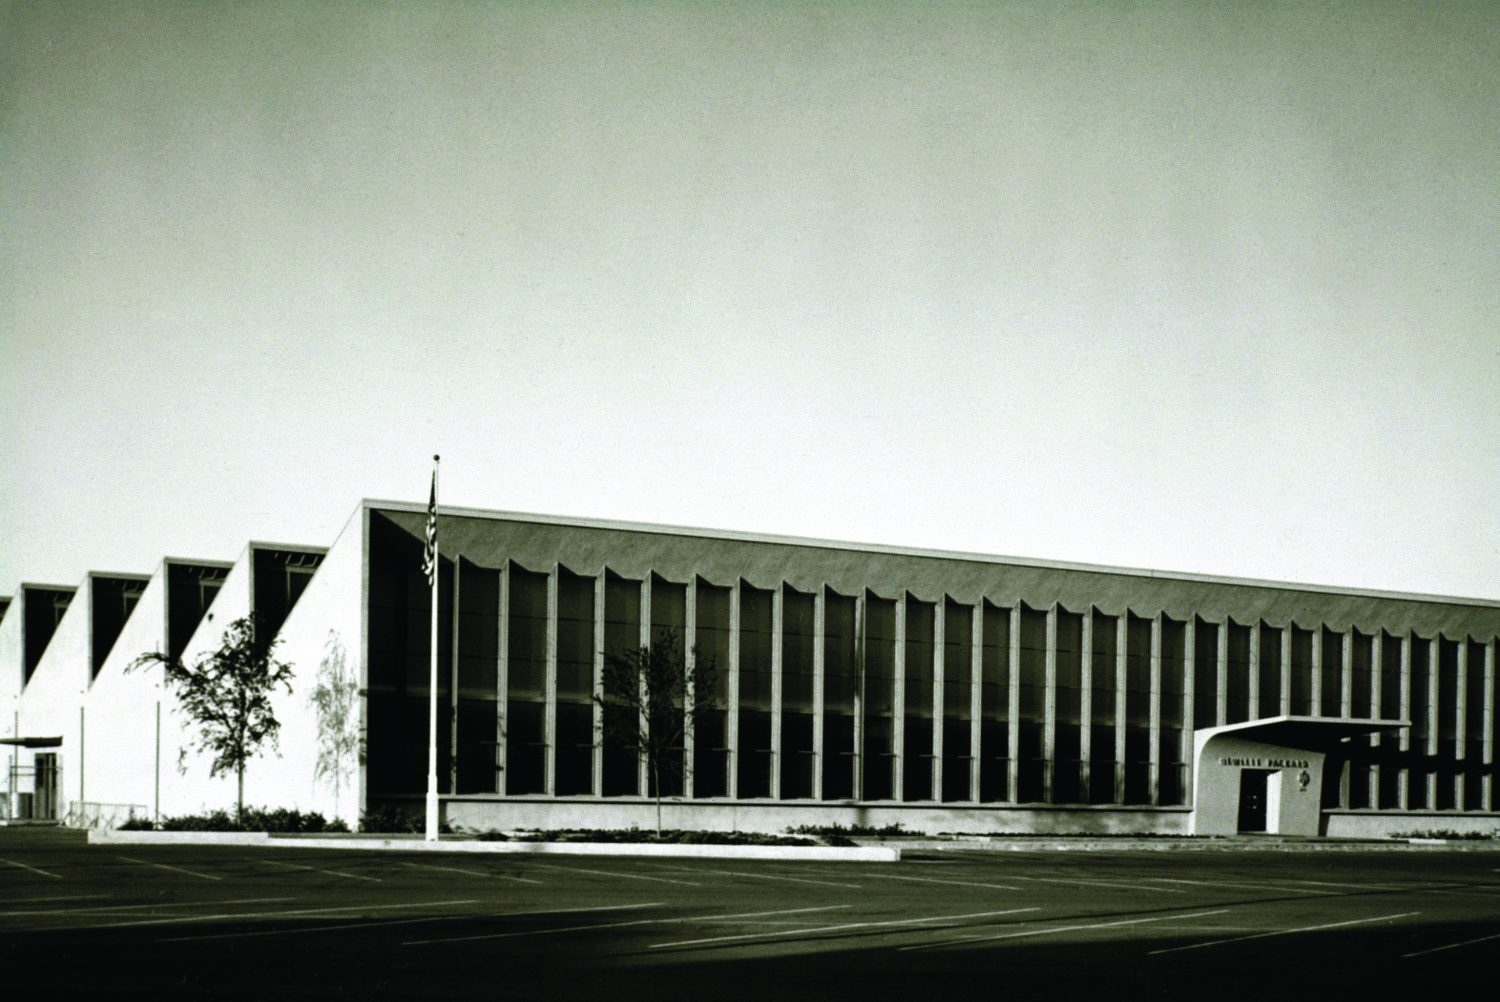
(1269, 769)
(33, 742)
(1300, 731)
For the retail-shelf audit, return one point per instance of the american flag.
(429, 555)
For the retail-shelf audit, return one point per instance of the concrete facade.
(851, 684)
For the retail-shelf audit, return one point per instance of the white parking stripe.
(154, 904)
(164, 866)
(314, 869)
(968, 940)
(383, 922)
(33, 869)
(933, 880)
(1098, 883)
(473, 873)
(1230, 883)
(66, 897)
(619, 925)
(612, 873)
(1282, 932)
(1452, 946)
(287, 913)
(764, 876)
(837, 928)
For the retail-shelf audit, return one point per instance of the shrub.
(846, 830)
(389, 820)
(668, 836)
(1448, 834)
(255, 820)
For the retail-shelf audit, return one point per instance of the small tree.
(228, 695)
(652, 697)
(333, 700)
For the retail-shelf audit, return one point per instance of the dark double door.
(1253, 799)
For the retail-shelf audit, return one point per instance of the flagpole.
(432, 684)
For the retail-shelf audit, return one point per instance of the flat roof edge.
(837, 544)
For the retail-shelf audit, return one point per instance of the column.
(778, 631)
(1286, 668)
(1377, 682)
(643, 765)
(1013, 711)
(596, 769)
(859, 695)
(1434, 653)
(502, 679)
(1221, 673)
(1153, 779)
(453, 687)
(1049, 705)
(1488, 780)
(732, 716)
(1189, 694)
(1086, 704)
(1403, 788)
(1122, 658)
(898, 716)
(976, 696)
(549, 708)
(939, 639)
(820, 626)
(1461, 728)
(690, 693)
(1255, 710)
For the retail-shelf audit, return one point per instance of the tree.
(652, 697)
(333, 701)
(227, 693)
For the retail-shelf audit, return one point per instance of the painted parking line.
(1053, 930)
(816, 930)
(472, 873)
(1281, 932)
(45, 873)
(164, 866)
(1113, 885)
(764, 876)
(934, 880)
(315, 869)
(285, 913)
(613, 873)
(621, 925)
(104, 909)
(1450, 946)
(376, 923)
(65, 897)
(1231, 883)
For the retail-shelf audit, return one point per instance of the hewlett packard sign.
(1267, 763)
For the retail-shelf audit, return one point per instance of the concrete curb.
(1190, 845)
(783, 853)
(98, 836)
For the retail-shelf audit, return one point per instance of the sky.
(1190, 286)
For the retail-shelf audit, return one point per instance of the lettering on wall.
(1266, 763)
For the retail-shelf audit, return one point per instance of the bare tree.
(333, 699)
(227, 693)
(652, 697)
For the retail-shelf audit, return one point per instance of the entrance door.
(44, 803)
(1253, 799)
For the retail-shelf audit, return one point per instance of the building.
(853, 684)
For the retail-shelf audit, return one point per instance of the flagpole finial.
(435, 458)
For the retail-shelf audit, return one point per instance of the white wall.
(325, 623)
(186, 787)
(11, 670)
(50, 701)
(121, 708)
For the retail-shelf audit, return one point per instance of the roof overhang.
(1303, 731)
(33, 742)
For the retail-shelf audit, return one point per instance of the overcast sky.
(1204, 287)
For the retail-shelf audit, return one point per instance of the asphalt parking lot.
(252, 922)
